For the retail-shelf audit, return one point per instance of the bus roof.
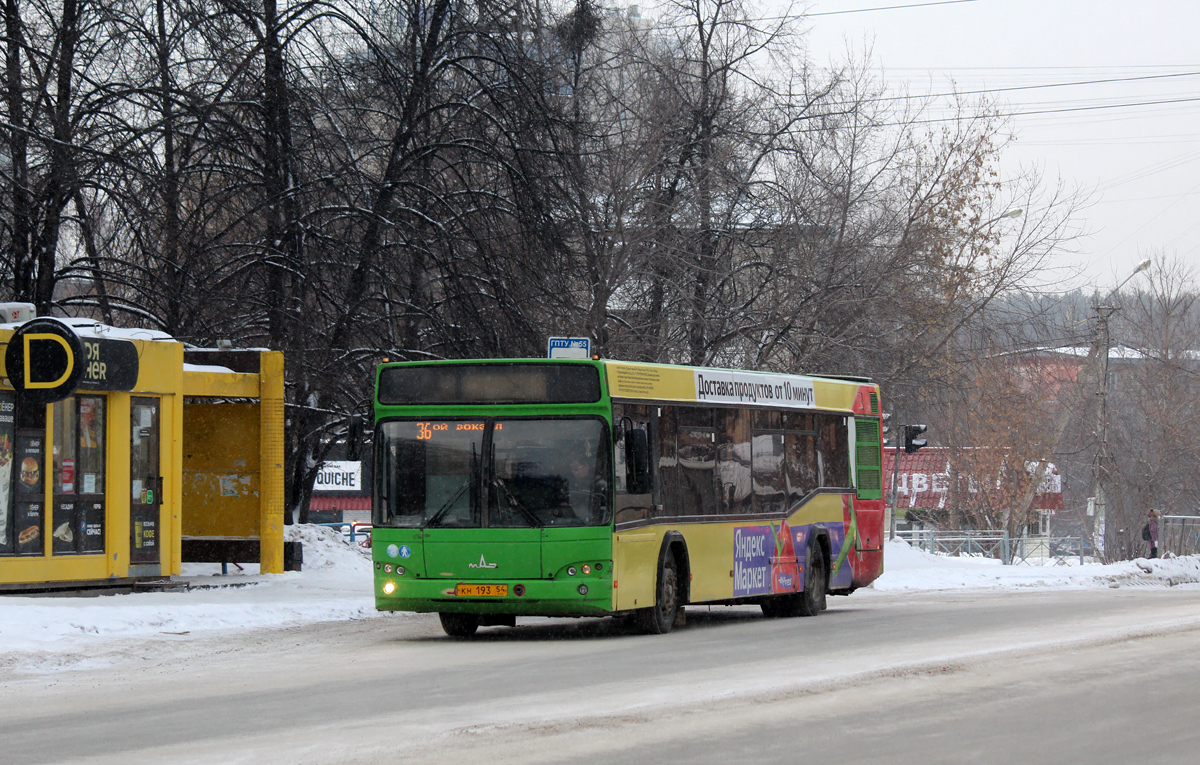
(638, 381)
(666, 382)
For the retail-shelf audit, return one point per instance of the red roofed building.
(924, 484)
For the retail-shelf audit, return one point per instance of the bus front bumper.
(543, 597)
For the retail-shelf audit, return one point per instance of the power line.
(1065, 110)
(801, 16)
(984, 91)
(1158, 215)
(888, 8)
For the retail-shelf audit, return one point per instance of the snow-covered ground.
(40, 634)
(37, 633)
(909, 568)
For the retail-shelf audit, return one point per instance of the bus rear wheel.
(812, 600)
(459, 625)
(659, 618)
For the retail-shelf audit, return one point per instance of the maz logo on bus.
(481, 564)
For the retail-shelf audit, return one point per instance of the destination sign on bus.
(426, 431)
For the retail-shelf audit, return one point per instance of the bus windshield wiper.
(433, 519)
(516, 503)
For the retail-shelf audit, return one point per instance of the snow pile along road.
(907, 568)
(334, 585)
(41, 634)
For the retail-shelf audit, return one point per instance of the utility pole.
(894, 497)
(1104, 312)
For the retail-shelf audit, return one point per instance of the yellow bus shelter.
(114, 446)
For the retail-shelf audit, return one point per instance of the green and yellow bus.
(508, 488)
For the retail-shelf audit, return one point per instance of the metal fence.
(1179, 534)
(965, 542)
(1043, 551)
(992, 543)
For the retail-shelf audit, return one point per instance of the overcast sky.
(1139, 163)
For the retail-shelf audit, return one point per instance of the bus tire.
(459, 625)
(660, 618)
(812, 600)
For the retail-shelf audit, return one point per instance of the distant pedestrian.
(1150, 533)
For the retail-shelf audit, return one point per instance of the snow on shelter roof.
(91, 328)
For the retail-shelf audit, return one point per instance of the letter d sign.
(42, 360)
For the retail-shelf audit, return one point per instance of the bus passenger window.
(733, 461)
(697, 471)
(767, 419)
(668, 464)
(834, 451)
(801, 421)
(770, 483)
(802, 476)
(695, 417)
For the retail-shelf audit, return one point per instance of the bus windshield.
(518, 473)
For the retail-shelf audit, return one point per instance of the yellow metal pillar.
(270, 513)
(117, 495)
(173, 501)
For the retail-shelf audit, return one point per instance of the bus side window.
(802, 475)
(668, 461)
(633, 458)
(834, 451)
(770, 482)
(733, 462)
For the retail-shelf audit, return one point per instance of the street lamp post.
(1104, 311)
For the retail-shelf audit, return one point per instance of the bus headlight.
(387, 568)
(570, 571)
(389, 588)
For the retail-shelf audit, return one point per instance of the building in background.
(926, 495)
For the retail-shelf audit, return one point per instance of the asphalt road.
(1098, 675)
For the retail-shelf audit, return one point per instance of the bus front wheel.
(659, 618)
(459, 625)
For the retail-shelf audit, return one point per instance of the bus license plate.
(481, 590)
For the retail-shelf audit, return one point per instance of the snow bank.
(907, 568)
(334, 585)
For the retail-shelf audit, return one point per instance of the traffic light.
(354, 437)
(911, 442)
(888, 435)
